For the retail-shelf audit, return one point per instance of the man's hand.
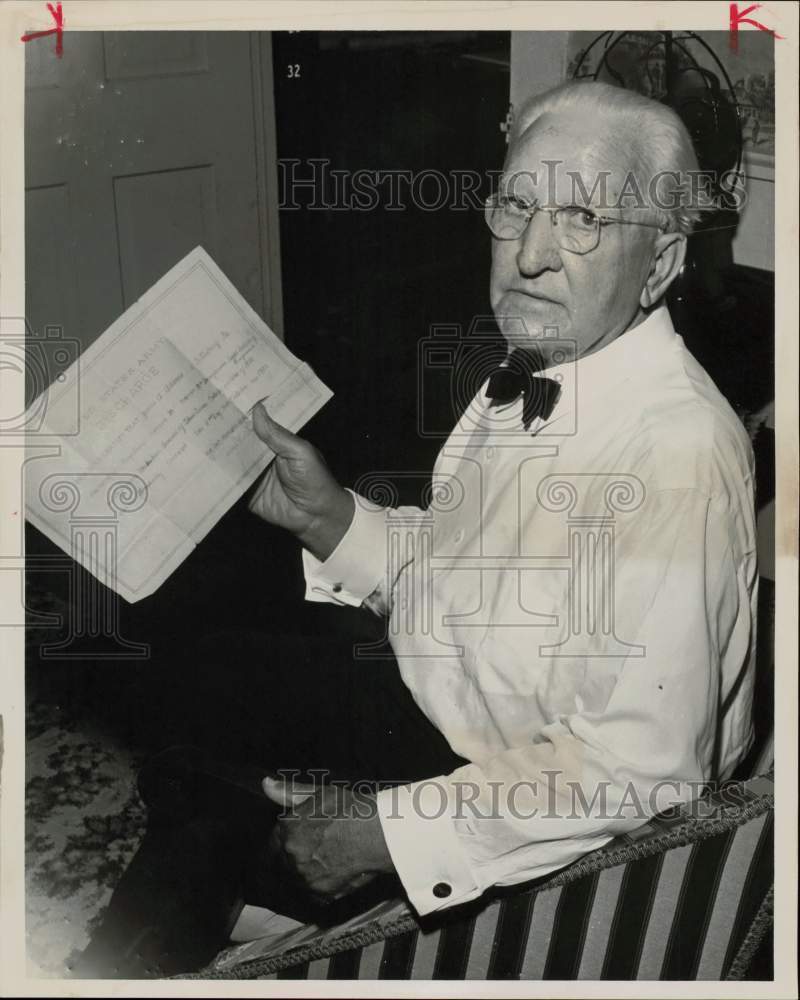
(331, 840)
(299, 493)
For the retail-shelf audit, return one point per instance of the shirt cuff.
(357, 565)
(417, 823)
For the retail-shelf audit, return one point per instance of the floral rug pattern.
(84, 821)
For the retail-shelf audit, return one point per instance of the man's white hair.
(656, 138)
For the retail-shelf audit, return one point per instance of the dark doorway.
(362, 288)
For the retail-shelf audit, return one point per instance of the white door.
(139, 147)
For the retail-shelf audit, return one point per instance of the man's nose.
(538, 249)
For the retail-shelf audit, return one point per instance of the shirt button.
(337, 588)
(442, 890)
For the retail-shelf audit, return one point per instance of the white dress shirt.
(587, 646)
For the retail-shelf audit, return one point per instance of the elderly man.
(574, 614)
(652, 690)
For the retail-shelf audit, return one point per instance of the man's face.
(590, 298)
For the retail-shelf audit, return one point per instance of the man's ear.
(669, 253)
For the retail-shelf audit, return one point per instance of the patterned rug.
(84, 823)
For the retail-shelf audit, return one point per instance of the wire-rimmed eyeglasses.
(575, 229)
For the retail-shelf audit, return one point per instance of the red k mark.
(740, 17)
(58, 31)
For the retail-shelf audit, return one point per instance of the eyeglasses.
(575, 229)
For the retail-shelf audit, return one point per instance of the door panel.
(157, 215)
(51, 280)
(166, 53)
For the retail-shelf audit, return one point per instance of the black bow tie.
(517, 377)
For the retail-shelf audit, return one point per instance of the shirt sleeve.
(356, 566)
(358, 571)
(603, 765)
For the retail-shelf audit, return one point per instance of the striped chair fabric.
(688, 896)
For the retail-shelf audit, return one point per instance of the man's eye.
(516, 205)
(580, 218)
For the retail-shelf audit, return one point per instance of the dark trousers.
(232, 708)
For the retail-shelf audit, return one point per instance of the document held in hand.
(163, 442)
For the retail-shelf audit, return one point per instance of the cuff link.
(337, 588)
(442, 890)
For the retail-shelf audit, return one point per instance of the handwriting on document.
(165, 397)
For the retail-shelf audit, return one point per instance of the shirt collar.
(645, 348)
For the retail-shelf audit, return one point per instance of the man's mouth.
(535, 295)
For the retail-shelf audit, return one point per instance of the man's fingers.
(285, 794)
(273, 434)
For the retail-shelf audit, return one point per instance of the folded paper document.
(163, 444)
